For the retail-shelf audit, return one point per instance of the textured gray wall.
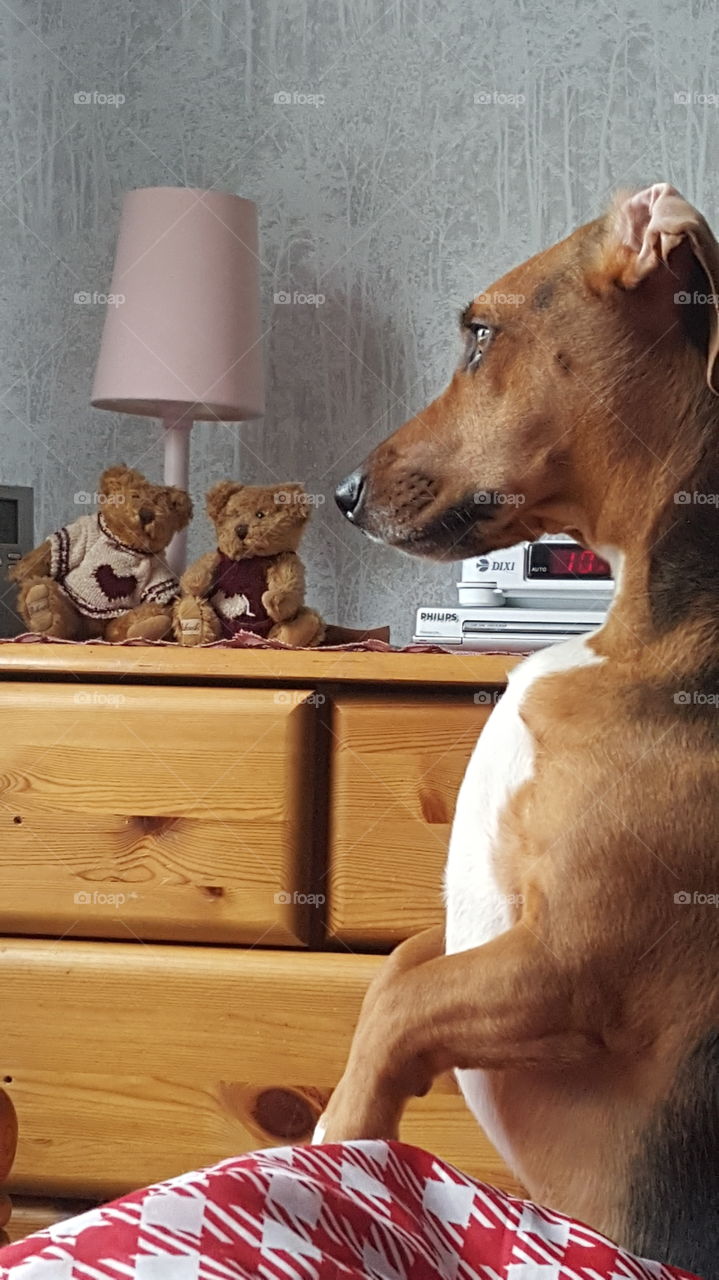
(442, 142)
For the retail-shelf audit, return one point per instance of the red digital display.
(569, 560)
(576, 562)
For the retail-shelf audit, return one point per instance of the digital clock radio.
(522, 598)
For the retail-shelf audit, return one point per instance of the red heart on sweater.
(111, 586)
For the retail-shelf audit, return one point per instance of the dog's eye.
(478, 338)
(259, 515)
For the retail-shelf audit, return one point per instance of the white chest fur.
(477, 906)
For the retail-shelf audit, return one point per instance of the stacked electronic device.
(522, 598)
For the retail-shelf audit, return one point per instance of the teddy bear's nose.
(146, 515)
(241, 530)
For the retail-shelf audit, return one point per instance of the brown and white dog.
(575, 986)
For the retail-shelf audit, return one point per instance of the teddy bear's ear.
(116, 478)
(296, 499)
(300, 506)
(181, 504)
(219, 495)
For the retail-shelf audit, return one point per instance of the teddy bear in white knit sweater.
(105, 574)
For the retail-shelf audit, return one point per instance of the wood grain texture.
(35, 1213)
(8, 1135)
(130, 1063)
(166, 813)
(397, 767)
(162, 662)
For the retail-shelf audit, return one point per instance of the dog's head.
(579, 368)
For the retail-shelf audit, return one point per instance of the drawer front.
(128, 1064)
(396, 769)
(162, 813)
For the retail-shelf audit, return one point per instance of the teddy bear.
(255, 580)
(104, 575)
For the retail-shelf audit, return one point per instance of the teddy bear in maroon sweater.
(255, 580)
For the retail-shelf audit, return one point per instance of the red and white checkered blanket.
(369, 1210)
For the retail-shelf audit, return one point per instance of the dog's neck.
(667, 600)
(656, 517)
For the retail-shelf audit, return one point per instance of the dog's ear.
(657, 228)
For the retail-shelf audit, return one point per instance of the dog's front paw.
(318, 1137)
(351, 1115)
(330, 1130)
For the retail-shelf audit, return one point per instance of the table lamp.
(182, 338)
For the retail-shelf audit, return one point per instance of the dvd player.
(514, 629)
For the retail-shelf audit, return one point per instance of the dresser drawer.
(129, 1064)
(396, 769)
(164, 813)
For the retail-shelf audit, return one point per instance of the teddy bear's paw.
(274, 602)
(147, 622)
(155, 627)
(38, 607)
(303, 631)
(46, 609)
(195, 622)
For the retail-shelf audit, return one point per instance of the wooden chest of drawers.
(397, 763)
(180, 814)
(201, 852)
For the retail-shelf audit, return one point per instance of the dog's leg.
(508, 1003)
(427, 945)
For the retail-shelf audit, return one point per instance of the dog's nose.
(146, 515)
(241, 531)
(349, 494)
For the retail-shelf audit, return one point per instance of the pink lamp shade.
(182, 336)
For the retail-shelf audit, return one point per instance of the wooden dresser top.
(164, 662)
